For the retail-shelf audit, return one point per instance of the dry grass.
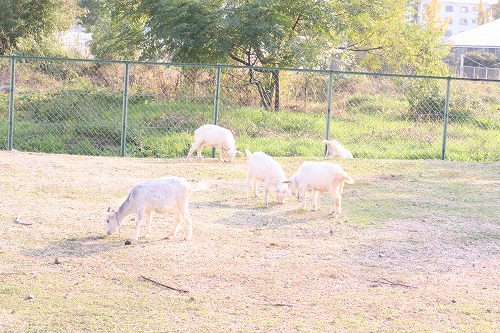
(415, 250)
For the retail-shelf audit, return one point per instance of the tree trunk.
(270, 93)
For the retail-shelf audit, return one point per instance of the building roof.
(475, 2)
(486, 35)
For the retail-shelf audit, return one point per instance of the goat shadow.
(79, 247)
(273, 215)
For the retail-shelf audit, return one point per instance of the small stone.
(128, 242)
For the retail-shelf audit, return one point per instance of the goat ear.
(109, 209)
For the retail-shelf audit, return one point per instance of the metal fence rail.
(97, 107)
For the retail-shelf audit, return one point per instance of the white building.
(463, 14)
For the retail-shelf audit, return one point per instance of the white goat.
(262, 167)
(214, 136)
(320, 177)
(162, 195)
(334, 148)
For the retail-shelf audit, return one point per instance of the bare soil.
(416, 249)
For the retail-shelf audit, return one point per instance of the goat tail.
(249, 153)
(348, 179)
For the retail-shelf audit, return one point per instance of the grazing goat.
(214, 136)
(262, 167)
(334, 148)
(162, 195)
(320, 177)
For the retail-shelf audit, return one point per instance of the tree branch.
(392, 283)
(361, 50)
(353, 47)
(299, 18)
(164, 285)
(279, 304)
(241, 61)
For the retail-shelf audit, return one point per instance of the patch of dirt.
(416, 249)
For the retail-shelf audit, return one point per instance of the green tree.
(367, 35)
(117, 29)
(495, 10)
(33, 19)
(279, 33)
(432, 18)
(483, 14)
(90, 12)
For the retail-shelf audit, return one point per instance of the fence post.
(329, 109)
(216, 100)
(123, 141)
(10, 133)
(446, 113)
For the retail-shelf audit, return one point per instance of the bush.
(465, 107)
(481, 59)
(68, 106)
(426, 102)
(374, 104)
(41, 107)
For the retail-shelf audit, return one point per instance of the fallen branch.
(279, 304)
(164, 285)
(18, 221)
(392, 283)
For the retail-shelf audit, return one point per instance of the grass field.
(416, 249)
(371, 126)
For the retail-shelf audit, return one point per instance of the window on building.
(451, 21)
(473, 22)
(463, 22)
(447, 33)
(448, 9)
(464, 9)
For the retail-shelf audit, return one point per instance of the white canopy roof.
(486, 35)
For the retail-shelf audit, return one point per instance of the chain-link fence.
(94, 107)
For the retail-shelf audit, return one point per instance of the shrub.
(464, 107)
(374, 104)
(481, 59)
(426, 101)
